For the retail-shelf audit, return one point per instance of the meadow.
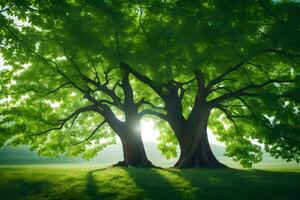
(96, 182)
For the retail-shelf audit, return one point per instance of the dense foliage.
(60, 52)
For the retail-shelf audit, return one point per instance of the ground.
(92, 182)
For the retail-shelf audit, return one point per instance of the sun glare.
(149, 134)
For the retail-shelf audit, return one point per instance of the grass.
(79, 182)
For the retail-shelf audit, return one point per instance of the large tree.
(227, 66)
(234, 67)
(61, 91)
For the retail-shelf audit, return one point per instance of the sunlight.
(149, 134)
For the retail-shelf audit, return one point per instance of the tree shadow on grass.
(92, 189)
(130, 183)
(112, 183)
(24, 189)
(140, 183)
(242, 184)
(155, 185)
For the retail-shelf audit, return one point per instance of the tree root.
(140, 165)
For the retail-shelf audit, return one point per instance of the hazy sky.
(2, 63)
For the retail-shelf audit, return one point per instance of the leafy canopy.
(248, 52)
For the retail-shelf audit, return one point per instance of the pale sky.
(2, 63)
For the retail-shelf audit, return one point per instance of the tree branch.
(200, 98)
(241, 92)
(62, 122)
(154, 113)
(102, 87)
(142, 78)
(145, 102)
(140, 19)
(106, 90)
(128, 92)
(5, 9)
(226, 112)
(261, 69)
(102, 109)
(92, 134)
(221, 77)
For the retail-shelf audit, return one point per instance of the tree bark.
(197, 154)
(194, 145)
(129, 131)
(133, 151)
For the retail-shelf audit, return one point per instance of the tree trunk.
(197, 154)
(133, 151)
(194, 145)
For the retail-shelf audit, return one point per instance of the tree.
(199, 63)
(62, 94)
(245, 78)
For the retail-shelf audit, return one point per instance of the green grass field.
(92, 182)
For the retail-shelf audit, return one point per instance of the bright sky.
(2, 63)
